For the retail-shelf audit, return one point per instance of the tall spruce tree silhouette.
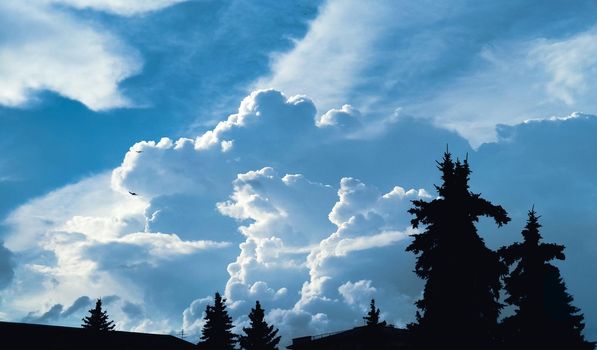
(459, 307)
(216, 334)
(98, 319)
(260, 335)
(372, 317)
(544, 318)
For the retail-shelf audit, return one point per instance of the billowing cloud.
(192, 316)
(92, 247)
(310, 222)
(178, 163)
(300, 202)
(351, 264)
(291, 246)
(107, 240)
(345, 117)
(280, 230)
(358, 292)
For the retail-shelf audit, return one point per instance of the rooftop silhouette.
(36, 336)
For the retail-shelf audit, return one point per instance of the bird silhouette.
(138, 151)
(133, 193)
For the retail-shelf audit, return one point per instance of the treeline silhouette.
(217, 330)
(467, 285)
(463, 278)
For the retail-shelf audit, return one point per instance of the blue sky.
(275, 147)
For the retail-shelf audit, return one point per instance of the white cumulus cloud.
(345, 117)
(276, 218)
(357, 292)
(279, 250)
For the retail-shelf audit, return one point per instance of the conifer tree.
(372, 318)
(98, 319)
(260, 335)
(459, 307)
(545, 317)
(216, 333)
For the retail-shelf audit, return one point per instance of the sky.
(274, 148)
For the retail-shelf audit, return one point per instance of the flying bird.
(138, 151)
(133, 193)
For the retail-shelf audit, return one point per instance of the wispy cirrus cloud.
(118, 7)
(436, 60)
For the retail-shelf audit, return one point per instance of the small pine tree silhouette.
(372, 318)
(545, 317)
(216, 332)
(260, 335)
(98, 319)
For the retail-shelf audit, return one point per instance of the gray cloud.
(7, 266)
(57, 313)
(132, 310)
(49, 316)
(109, 299)
(79, 304)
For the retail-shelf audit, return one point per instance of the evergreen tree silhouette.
(260, 335)
(372, 318)
(459, 307)
(216, 332)
(98, 319)
(545, 317)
